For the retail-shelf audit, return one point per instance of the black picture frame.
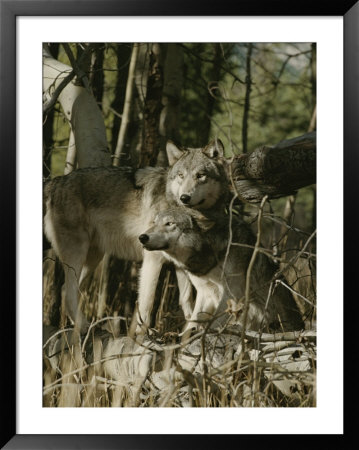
(9, 10)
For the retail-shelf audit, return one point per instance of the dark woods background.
(246, 94)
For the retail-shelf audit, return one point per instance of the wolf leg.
(150, 272)
(73, 257)
(200, 307)
(185, 293)
(192, 323)
(94, 256)
(207, 301)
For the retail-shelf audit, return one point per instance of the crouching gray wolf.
(199, 246)
(94, 211)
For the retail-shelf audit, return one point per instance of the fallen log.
(275, 171)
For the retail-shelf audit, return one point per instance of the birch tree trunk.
(80, 109)
(70, 163)
(90, 133)
(48, 141)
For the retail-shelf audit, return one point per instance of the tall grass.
(110, 367)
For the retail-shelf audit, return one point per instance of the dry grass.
(108, 368)
(210, 371)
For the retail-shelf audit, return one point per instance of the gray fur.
(199, 247)
(103, 210)
(198, 173)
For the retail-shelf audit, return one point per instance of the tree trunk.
(212, 89)
(125, 119)
(153, 107)
(313, 74)
(123, 52)
(90, 133)
(48, 131)
(70, 163)
(135, 129)
(96, 77)
(247, 100)
(172, 89)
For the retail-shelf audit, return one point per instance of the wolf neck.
(201, 261)
(198, 261)
(212, 246)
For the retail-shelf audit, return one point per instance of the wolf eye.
(168, 224)
(180, 174)
(201, 176)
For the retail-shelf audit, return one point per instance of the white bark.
(54, 73)
(81, 110)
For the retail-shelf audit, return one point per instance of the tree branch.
(75, 71)
(275, 171)
(50, 103)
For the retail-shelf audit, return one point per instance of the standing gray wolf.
(198, 245)
(94, 211)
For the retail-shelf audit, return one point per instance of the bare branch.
(249, 270)
(48, 105)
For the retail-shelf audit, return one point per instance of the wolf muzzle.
(143, 238)
(151, 242)
(185, 199)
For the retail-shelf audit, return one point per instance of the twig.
(230, 234)
(249, 271)
(296, 293)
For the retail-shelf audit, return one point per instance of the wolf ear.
(214, 149)
(204, 223)
(173, 153)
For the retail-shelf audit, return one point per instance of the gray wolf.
(94, 211)
(198, 245)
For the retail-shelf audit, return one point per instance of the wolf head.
(196, 177)
(180, 233)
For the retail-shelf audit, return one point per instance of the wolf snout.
(185, 198)
(143, 238)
